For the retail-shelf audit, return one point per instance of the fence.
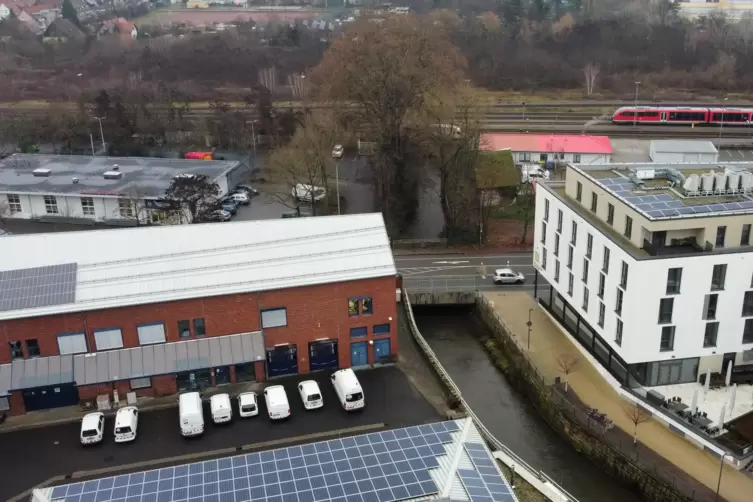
(612, 448)
(440, 285)
(456, 394)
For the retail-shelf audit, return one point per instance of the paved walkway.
(548, 342)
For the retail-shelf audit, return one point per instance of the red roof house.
(549, 147)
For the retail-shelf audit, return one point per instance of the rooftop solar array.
(484, 483)
(664, 205)
(37, 287)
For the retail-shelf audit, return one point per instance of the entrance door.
(663, 116)
(659, 239)
(729, 358)
(282, 360)
(56, 396)
(358, 354)
(222, 375)
(323, 355)
(381, 350)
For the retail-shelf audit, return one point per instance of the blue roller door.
(282, 360)
(54, 396)
(323, 355)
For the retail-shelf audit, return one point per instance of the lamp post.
(529, 324)
(635, 105)
(719, 483)
(102, 135)
(253, 140)
(337, 184)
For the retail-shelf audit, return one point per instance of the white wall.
(585, 158)
(69, 206)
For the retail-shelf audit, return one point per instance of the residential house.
(62, 30)
(44, 13)
(551, 148)
(14, 29)
(29, 22)
(121, 27)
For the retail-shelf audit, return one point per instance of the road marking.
(741, 153)
(524, 254)
(450, 262)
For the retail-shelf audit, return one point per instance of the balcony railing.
(677, 247)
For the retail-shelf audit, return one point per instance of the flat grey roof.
(142, 177)
(682, 146)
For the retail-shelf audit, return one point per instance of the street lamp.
(337, 184)
(635, 105)
(529, 324)
(102, 134)
(719, 483)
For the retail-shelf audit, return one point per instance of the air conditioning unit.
(41, 172)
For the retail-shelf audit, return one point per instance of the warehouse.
(157, 310)
(671, 150)
(112, 190)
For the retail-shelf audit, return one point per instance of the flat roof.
(143, 265)
(555, 143)
(682, 146)
(142, 176)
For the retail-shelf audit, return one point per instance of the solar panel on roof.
(37, 287)
(484, 483)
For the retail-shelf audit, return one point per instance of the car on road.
(126, 424)
(308, 193)
(241, 198)
(508, 276)
(218, 215)
(248, 404)
(92, 428)
(247, 188)
(310, 394)
(277, 403)
(222, 410)
(229, 206)
(337, 152)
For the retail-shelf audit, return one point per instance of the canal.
(451, 333)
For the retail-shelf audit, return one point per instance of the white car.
(241, 198)
(308, 193)
(508, 276)
(248, 405)
(338, 152)
(222, 410)
(92, 428)
(126, 424)
(310, 394)
(277, 403)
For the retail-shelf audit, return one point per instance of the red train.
(683, 115)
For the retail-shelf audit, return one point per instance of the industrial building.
(112, 190)
(671, 150)
(550, 148)
(651, 267)
(157, 310)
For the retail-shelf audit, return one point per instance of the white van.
(308, 193)
(92, 428)
(276, 399)
(310, 394)
(348, 389)
(191, 414)
(126, 424)
(248, 405)
(222, 412)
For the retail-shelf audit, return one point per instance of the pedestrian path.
(548, 342)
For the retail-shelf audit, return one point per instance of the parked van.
(348, 389)
(219, 404)
(126, 424)
(276, 399)
(92, 428)
(310, 394)
(308, 193)
(191, 414)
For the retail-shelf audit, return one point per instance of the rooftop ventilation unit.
(113, 175)
(75, 181)
(41, 172)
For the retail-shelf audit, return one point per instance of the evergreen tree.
(68, 11)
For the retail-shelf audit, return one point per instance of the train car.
(661, 115)
(199, 156)
(731, 116)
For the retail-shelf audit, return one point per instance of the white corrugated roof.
(156, 264)
(682, 146)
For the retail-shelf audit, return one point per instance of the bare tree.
(637, 415)
(4, 211)
(567, 364)
(590, 71)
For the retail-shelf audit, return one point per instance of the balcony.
(684, 246)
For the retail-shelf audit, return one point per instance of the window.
(569, 257)
(709, 306)
(184, 328)
(594, 201)
(72, 343)
(578, 191)
(718, 277)
(570, 284)
(556, 244)
(366, 307)
(744, 237)
(618, 333)
(602, 280)
(574, 234)
(585, 270)
(50, 204)
(667, 342)
(602, 311)
(525, 157)
(618, 303)
(141, 383)
(589, 246)
(14, 203)
(126, 208)
(624, 275)
(576, 158)
(108, 339)
(610, 214)
(674, 279)
(361, 306)
(748, 304)
(381, 329)
(666, 305)
(359, 332)
(585, 299)
(32, 348)
(628, 227)
(543, 157)
(543, 259)
(557, 270)
(605, 261)
(559, 220)
(149, 334)
(748, 331)
(199, 327)
(546, 210)
(709, 336)
(274, 318)
(543, 232)
(721, 233)
(87, 206)
(16, 352)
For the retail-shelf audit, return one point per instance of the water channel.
(451, 334)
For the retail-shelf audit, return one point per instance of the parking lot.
(35, 455)
(735, 155)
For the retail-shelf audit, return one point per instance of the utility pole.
(91, 139)
(337, 182)
(635, 113)
(253, 139)
(102, 135)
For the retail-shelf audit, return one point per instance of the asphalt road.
(32, 456)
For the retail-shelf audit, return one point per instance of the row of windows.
(376, 330)
(543, 157)
(125, 206)
(627, 232)
(710, 335)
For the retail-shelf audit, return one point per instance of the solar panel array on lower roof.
(379, 467)
(484, 483)
(663, 205)
(38, 287)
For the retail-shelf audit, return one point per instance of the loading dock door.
(54, 396)
(282, 360)
(323, 355)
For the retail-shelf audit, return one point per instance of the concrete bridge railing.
(534, 477)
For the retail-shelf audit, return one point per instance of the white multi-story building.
(651, 267)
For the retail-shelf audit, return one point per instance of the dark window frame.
(594, 201)
(710, 306)
(711, 334)
(618, 333)
(261, 317)
(378, 329)
(546, 210)
(745, 235)
(620, 298)
(37, 349)
(360, 332)
(628, 227)
(578, 191)
(16, 350)
(589, 246)
(721, 236)
(195, 323)
(747, 304)
(674, 284)
(605, 260)
(188, 328)
(624, 271)
(666, 313)
(570, 284)
(748, 331)
(670, 332)
(718, 278)
(610, 214)
(602, 314)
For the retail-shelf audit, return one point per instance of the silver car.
(508, 276)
